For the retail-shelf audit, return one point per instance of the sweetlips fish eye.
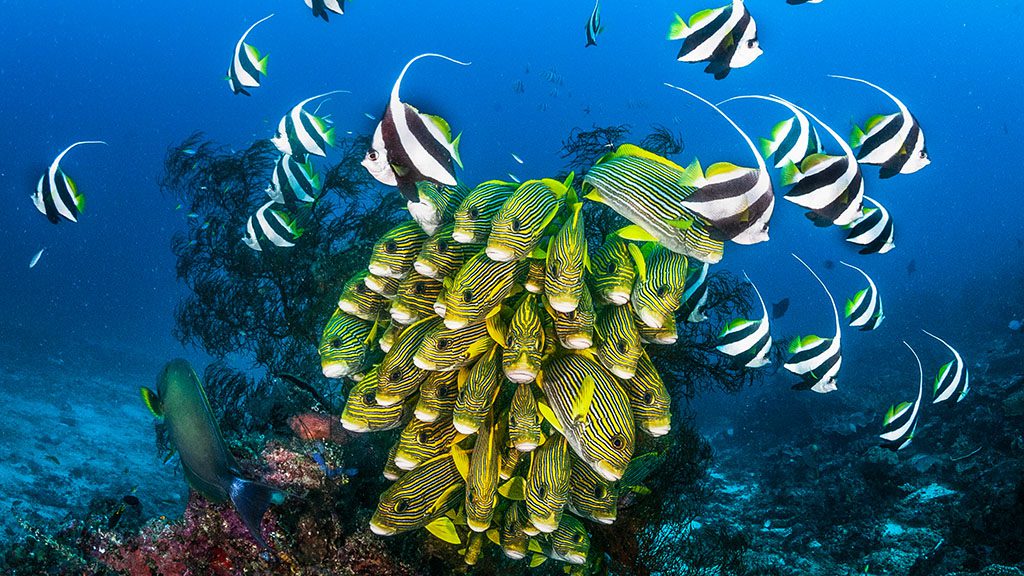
(442, 391)
(662, 290)
(402, 505)
(609, 267)
(620, 346)
(473, 214)
(396, 374)
(420, 288)
(336, 343)
(390, 246)
(598, 491)
(648, 398)
(578, 538)
(618, 442)
(442, 343)
(542, 491)
(423, 437)
(468, 296)
(553, 269)
(369, 399)
(442, 246)
(517, 225)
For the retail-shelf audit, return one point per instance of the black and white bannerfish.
(300, 133)
(748, 341)
(738, 201)
(409, 146)
(271, 224)
(56, 194)
(695, 295)
(873, 230)
(814, 359)
(864, 310)
(830, 186)
(246, 64)
(792, 139)
(953, 378)
(726, 37)
(594, 26)
(894, 141)
(900, 421)
(323, 8)
(293, 182)
(796, 2)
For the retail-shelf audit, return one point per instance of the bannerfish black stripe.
(271, 224)
(748, 341)
(300, 133)
(864, 310)
(953, 378)
(873, 230)
(814, 359)
(695, 294)
(292, 182)
(322, 8)
(56, 195)
(900, 421)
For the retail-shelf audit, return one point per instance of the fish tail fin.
(767, 147)
(263, 64)
(329, 136)
(455, 150)
(678, 29)
(790, 174)
(856, 136)
(251, 500)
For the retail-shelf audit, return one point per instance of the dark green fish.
(566, 259)
(547, 483)
(575, 330)
(396, 250)
(590, 495)
(477, 289)
(345, 345)
(618, 347)
(419, 498)
(659, 291)
(359, 301)
(441, 256)
(613, 271)
(362, 413)
(518, 226)
(420, 441)
(524, 342)
(398, 374)
(479, 386)
(474, 214)
(649, 398)
(437, 395)
(444, 349)
(209, 466)
(415, 299)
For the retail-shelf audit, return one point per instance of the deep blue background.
(144, 75)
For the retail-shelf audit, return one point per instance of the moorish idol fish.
(322, 8)
(901, 420)
(792, 140)
(409, 146)
(246, 64)
(300, 133)
(726, 36)
(864, 310)
(953, 377)
(895, 141)
(210, 469)
(56, 193)
(594, 26)
(748, 341)
(272, 225)
(738, 201)
(293, 182)
(814, 359)
(873, 230)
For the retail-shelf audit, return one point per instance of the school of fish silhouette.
(511, 356)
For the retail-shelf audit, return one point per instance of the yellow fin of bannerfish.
(496, 327)
(444, 529)
(493, 536)
(514, 489)
(549, 415)
(638, 259)
(635, 233)
(534, 546)
(585, 397)
(461, 459)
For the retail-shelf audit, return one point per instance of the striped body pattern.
(618, 345)
(524, 342)
(748, 341)
(864, 310)
(271, 226)
(659, 291)
(649, 398)
(695, 293)
(419, 497)
(445, 349)
(724, 37)
(482, 478)
(575, 330)
(324, 8)
(814, 359)
(593, 27)
(437, 395)
(953, 379)
(345, 345)
(435, 204)
(567, 255)
(873, 229)
(901, 420)
(612, 271)
(524, 419)
(362, 413)
(478, 389)
(519, 223)
(590, 495)
(246, 64)
(358, 300)
(547, 484)
(441, 256)
(301, 134)
(293, 183)
(399, 374)
(477, 289)
(56, 194)
(420, 441)
(473, 216)
(415, 298)
(396, 250)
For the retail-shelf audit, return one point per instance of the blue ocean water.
(143, 76)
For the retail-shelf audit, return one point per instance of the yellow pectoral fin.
(444, 529)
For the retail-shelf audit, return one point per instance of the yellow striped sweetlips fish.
(210, 469)
(345, 345)
(481, 468)
(477, 289)
(524, 342)
(390, 336)
(398, 374)
(645, 189)
(436, 204)
(358, 300)
(391, 471)
(415, 298)
(649, 398)
(592, 412)
(395, 251)
(518, 226)
(362, 413)
(534, 282)
(524, 419)
(590, 495)
(514, 542)
(566, 259)
(569, 543)
(612, 271)
(444, 349)
(479, 387)
(510, 456)
(437, 395)
(419, 498)
(659, 289)
(420, 441)
(441, 256)
(473, 216)
(575, 330)
(618, 346)
(547, 484)
(666, 335)
(383, 285)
